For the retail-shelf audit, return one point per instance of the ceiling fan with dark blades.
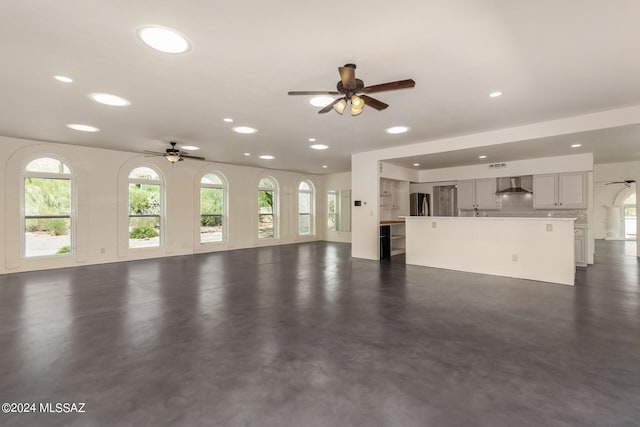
(174, 155)
(626, 182)
(355, 91)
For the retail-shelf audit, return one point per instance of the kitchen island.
(528, 248)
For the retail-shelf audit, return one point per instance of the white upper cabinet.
(572, 190)
(486, 193)
(477, 193)
(545, 191)
(560, 191)
(466, 194)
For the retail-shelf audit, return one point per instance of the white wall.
(102, 198)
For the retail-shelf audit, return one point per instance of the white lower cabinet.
(581, 246)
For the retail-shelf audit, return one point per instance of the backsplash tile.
(521, 205)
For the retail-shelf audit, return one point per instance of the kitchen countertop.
(388, 222)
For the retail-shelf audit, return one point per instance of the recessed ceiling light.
(163, 39)
(244, 129)
(63, 79)
(267, 157)
(189, 147)
(321, 101)
(319, 146)
(482, 157)
(83, 128)
(495, 94)
(576, 145)
(397, 129)
(324, 166)
(416, 164)
(312, 140)
(228, 119)
(247, 154)
(108, 99)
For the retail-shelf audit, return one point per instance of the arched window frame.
(311, 193)
(72, 217)
(225, 203)
(263, 216)
(161, 204)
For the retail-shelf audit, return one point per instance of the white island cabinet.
(529, 248)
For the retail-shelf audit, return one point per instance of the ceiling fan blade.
(313, 92)
(192, 157)
(374, 103)
(154, 153)
(400, 84)
(329, 107)
(348, 77)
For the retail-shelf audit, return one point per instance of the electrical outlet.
(549, 227)
(514, 257)
(433, 225)
(102, 250)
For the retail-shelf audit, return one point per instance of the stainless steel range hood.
(515, 187)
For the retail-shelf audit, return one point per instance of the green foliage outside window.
(47, 197)
(143, 232)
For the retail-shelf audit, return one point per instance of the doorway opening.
(630, 217)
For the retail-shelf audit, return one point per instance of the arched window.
(305, 209)
(267, 209)
(145, 208)
(212, 208)
(48, 208)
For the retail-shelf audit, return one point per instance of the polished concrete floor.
(301, 335)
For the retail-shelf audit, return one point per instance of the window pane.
(47, 236)
(304, 203)
(211, 200)
(144, 173)
(304, 213)
(211, 219)
(331, 212)
(304, 224)
(304, 186)
(266, 183)
(211, 178)
(144, 232)
(47, 196)
(265, 226)
(48, 165)
(265, 202)
(144, 199)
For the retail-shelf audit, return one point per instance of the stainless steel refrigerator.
(419, 204)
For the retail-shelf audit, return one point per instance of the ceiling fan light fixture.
(357, 104)
(340, 106)
(173, 157)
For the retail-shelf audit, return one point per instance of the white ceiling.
(551, 59)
